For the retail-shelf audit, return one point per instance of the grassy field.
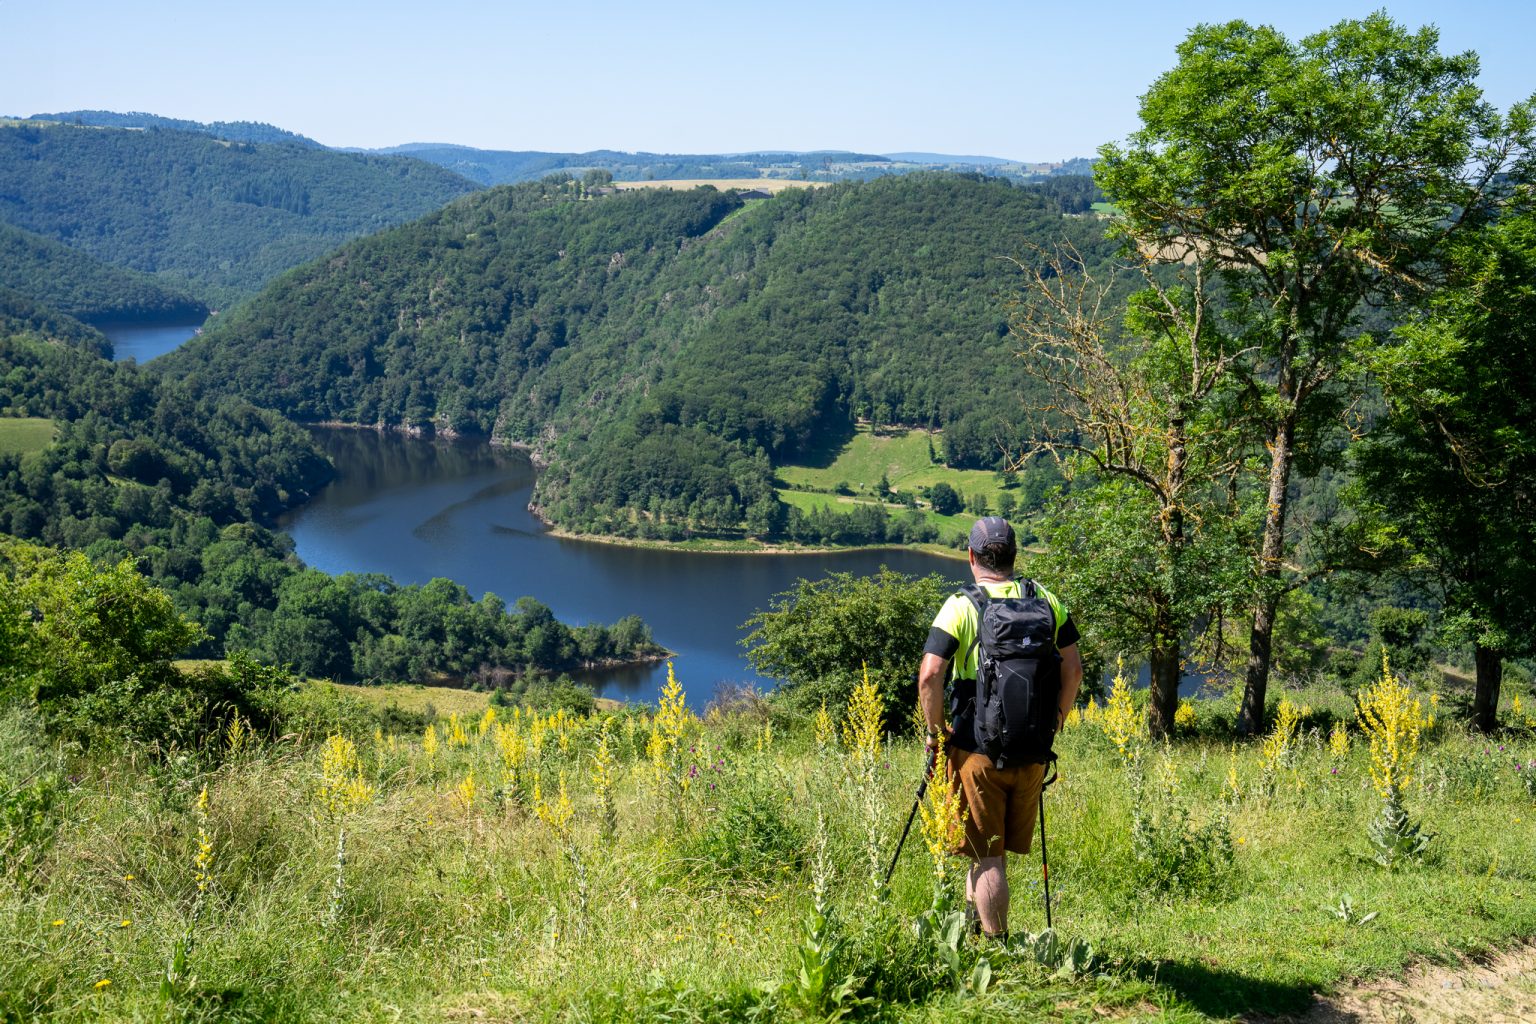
(902, 456)
(808, 500)
(772, 185)
(631, 868)
(445, 700)
(20, 435)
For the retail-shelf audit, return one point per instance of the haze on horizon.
(1021, 81)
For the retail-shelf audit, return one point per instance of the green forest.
(67, 280)
(665, 350)
(209, 217)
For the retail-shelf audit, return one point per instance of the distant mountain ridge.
(233, 131)
(211, 217)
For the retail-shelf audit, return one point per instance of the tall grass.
(628, 867)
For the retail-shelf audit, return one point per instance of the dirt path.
(1500, 991)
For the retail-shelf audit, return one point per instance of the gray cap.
(991, 530)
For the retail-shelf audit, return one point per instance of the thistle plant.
(1392, 721)
(341, 792)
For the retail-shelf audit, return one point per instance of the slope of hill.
(217, 218)
(68, 280)
(665, 349)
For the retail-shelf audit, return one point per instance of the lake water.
(415, 509)
(143, 342)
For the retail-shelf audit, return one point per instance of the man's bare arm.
(930, 690)
(1071, 679)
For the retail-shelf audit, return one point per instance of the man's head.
(993, 546)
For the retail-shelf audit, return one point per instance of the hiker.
(998, 797)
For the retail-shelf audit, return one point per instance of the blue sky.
(1025, 80)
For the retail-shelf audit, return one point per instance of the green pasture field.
(22, 435)
(415, 698)
(902, 455)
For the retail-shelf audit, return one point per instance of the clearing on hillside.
(902, 456)
(21, 435)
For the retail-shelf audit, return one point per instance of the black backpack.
(1018, 675)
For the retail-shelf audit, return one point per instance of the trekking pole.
(1045, 870)
(922, 790)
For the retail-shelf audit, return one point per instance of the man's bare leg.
(987, 886)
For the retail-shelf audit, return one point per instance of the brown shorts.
(1000, 803)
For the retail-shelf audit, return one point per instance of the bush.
(820, 636)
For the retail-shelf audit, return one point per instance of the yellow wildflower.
(429, 741)
(943, 818)
(1120, 722)
(861, 723)
(826, 732)
(103, 983)
(1392, 720)
(464, 792)
(1338, 741)
(1184, 718)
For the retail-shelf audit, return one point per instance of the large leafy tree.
(1149, 541)
(1455, 463)
(1315, 178)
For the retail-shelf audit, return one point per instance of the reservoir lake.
(415, 509)
(144, 341)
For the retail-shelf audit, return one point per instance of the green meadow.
(21, 435)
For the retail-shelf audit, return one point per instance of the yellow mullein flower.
(861, 722)
(943, 818)
(1120, 722)
(1279, 744)
(1184, 718)
(826, 732)
(429, 741)
(237, 736)
(1392, 720)
(342, 787)
(1338, 741)
(557, 814)
(457, 737)
(464, 792)
(487, 720)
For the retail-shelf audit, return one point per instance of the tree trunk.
(1164, 702)
(1250, 719)
(1485, 698)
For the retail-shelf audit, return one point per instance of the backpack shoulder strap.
(979, 598)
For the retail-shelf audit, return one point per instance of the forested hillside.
(216, 218)
(664, 349)
(71, 282)
(184, 484)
